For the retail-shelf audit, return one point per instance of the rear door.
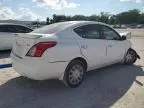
(91, 44)
(23, 43)
(114, 45)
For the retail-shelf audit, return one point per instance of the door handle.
(110, 46)
(16, 35)
(84, 46)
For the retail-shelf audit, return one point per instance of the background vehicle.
(66, 50)
(8, 33)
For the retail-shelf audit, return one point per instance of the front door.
(91, 44)
(115, 46)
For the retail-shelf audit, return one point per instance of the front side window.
(109, 34)
(91, 31)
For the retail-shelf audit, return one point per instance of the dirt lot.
(135, 32)
(116, 86)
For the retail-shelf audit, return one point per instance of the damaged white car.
(67, 50)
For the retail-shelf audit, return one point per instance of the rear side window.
(91, 31)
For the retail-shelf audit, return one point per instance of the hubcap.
(76, 74)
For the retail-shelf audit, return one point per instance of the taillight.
(38, 49)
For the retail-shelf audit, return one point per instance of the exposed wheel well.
(81, 59)
(130, 49)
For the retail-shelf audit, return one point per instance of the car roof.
(60, 26)
(82, 22)
(73, 24)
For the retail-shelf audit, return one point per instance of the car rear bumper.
(37, 70)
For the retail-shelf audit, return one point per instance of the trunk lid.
(24, 42)
(29, 35)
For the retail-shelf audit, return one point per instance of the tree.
(59, 18)
(68, 18)
(113, 20)
(104, 17)
(93, 18)
(141, 19)
(79, 17)
(51, 21)
(47, 21)
(55, 19)
(129, 17)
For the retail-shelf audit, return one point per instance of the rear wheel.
(130, 57)
(74, 74)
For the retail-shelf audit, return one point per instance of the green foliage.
(113, 19)
(129, 17)
(47, 21)
(93, 18)
(141, 19)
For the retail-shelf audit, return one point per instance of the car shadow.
(5, 54)
(101, 89)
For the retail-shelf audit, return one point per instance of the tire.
(74, 74)
(130, 57)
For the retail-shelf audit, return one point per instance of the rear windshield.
(52, 28)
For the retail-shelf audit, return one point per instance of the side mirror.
(128, 35)
(123, 38)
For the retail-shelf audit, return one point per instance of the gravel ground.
(135, 32)
(116, 86)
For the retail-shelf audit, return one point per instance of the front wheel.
(74, 74)
(130, 57)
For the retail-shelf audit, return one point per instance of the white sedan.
(8, 34)
(67, 50)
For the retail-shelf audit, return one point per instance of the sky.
(31, 10)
